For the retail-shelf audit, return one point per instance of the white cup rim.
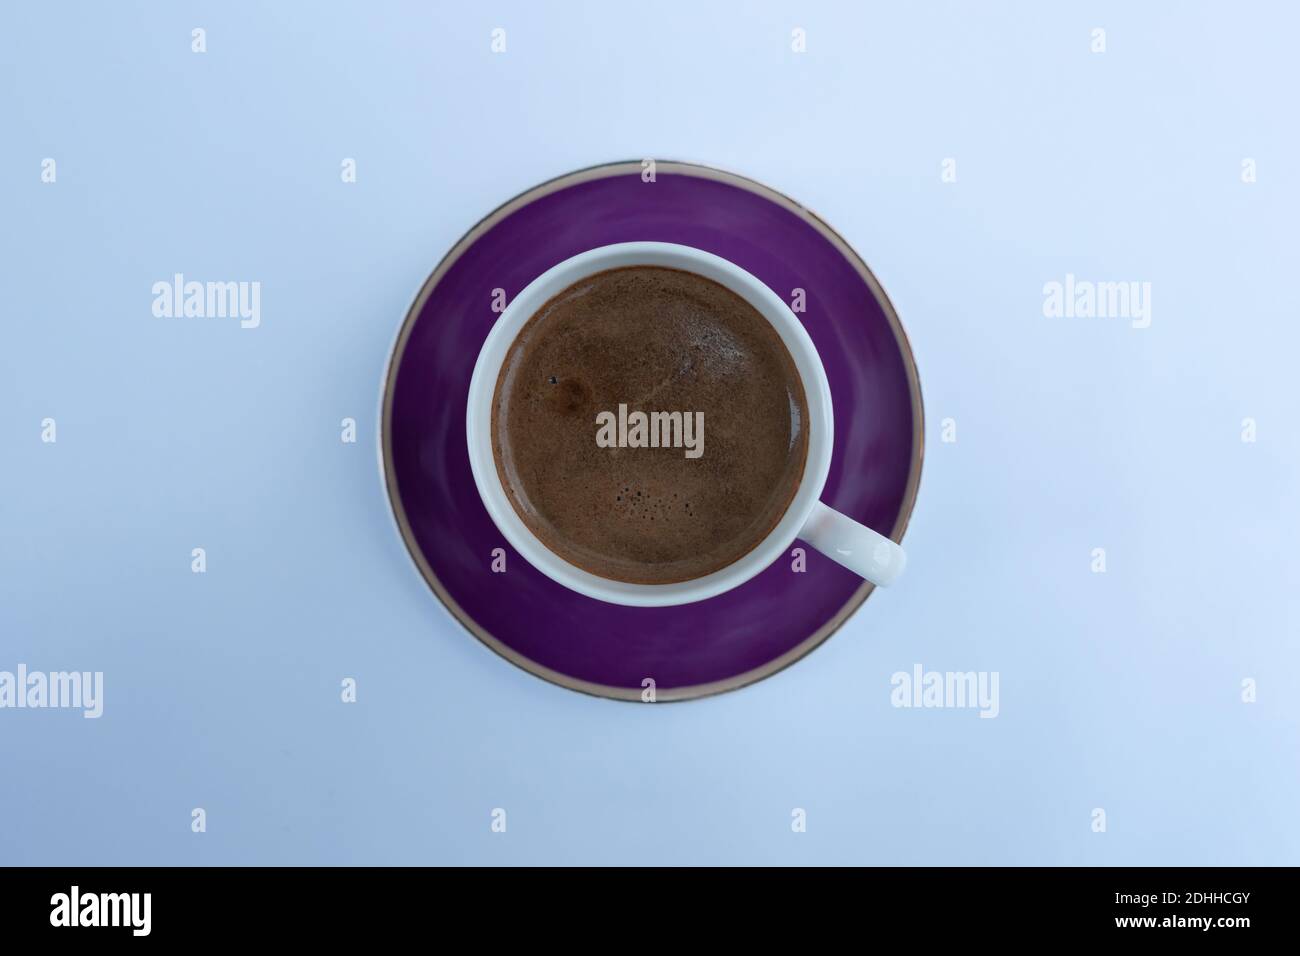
(478, 422)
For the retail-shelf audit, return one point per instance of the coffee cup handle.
(864, 552)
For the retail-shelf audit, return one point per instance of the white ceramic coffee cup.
(857, 547)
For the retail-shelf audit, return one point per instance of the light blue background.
(1118, 690)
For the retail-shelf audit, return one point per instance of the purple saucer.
(606, 649)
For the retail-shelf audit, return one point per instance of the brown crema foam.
(653, 340)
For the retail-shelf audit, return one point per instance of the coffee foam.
(656, 340)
